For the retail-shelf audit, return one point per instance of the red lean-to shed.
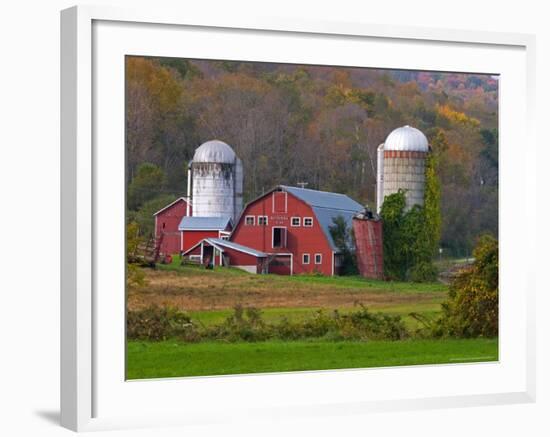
(218, 252)
(167, 221)
(292, 226)
(195, 229)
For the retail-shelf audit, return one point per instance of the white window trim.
(320, 255)
(308, 218)
(266, 220)
(304, 258)
(253, 217)
(299, 222)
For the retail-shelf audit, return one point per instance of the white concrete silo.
(216, 175)
(401, 165)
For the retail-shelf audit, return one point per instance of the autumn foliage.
(472, 307)
(315, 124)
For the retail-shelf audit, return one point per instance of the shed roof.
(204, 223)
(221, 244)
(235, 246)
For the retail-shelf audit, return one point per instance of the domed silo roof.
(407, 138)
(215, 151)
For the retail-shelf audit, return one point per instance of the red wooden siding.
(369, 247)
(299, 240)
(190, 238)
(241, 259)
(167, 222)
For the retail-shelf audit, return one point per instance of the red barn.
(292, 226)
(195, 229)
(167, 221)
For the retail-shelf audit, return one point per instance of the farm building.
(287, 229)
(291, 226)
(167, 221)
(195, 229)
(214, 200)
(213, 252)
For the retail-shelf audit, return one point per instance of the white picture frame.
(87, 377)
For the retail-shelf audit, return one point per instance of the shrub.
(423, 272)
(471, 309)
(246, 324)
(159, 323)
(365, 325)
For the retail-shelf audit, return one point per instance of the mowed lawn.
(176, 359)
(209, 296)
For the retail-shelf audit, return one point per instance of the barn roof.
(179, 199)
(325, 218)
(204, 223)
(327, 206)
(324, 199)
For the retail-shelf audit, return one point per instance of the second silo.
(402, 165)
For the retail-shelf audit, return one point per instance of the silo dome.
(408, 139)
(215, 151)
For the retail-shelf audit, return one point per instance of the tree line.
(315, 124)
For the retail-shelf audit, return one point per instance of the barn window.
(318, 258)
(305, 258)
(279, 237)
(295, 221)
(163, 225)
(249, 220)
(308, 222)
(262, 220)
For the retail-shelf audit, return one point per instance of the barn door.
(280, 265)
(279, 202)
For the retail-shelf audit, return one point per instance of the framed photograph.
(274, 219)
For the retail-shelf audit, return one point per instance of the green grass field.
(274, 315)
(210, 296)
(175, 359)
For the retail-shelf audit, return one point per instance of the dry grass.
(204, 290)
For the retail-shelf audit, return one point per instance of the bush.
(159, 323)
(246, 324)
(472, 307)
(423, 272)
